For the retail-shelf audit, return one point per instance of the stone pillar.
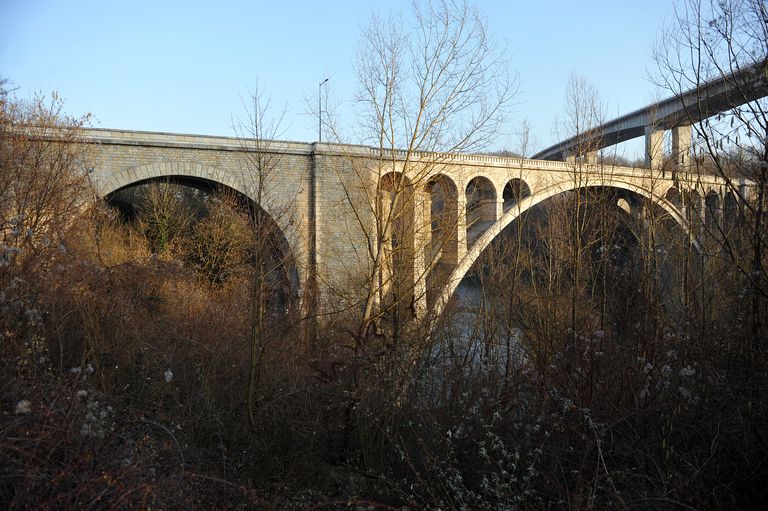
(487, 210)
(387, 263)
(461, 224)
(626, 206)
(654, 147)
(499, 207)
(681, 146)
(591, 157)
(422, 244)
(639, 213)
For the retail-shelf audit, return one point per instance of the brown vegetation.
(159, 362)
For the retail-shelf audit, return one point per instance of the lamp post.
(320, 111)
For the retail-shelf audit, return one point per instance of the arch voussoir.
(162, 169)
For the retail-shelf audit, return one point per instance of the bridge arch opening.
(674, 197)
(226, 234)
(693, 211)
(527, 268)
(126, 199)
(515, 191)
(481, 207)
(441, 254)
(443, 220)
(396, 213)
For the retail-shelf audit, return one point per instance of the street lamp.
(320, 111)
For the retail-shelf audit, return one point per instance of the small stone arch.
(396, 210)
(480, 207)
(693, 210)
(443, 220)
(514, 191)
(730, 211)
(624, 205)
(674, 197)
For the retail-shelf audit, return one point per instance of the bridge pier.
(422, 243)
(681, 147)
(587, 157)
(499, 207)
(654, 147)
(461, 225)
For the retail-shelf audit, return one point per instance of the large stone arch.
(526, 204)
(188, 172)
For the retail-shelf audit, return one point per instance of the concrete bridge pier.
(580, 155)
(587, 157)
(681, 146)
(654, 147)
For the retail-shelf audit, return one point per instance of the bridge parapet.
(187, 141)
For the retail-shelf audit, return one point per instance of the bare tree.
(431, 85)
(43, 177)
(526, 145)
(584, 112)
(222, 240)
(727, 42)
(268, 254)
(164, 215)
(435, 83)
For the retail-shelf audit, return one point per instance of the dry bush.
(128, 369)
(648, 400)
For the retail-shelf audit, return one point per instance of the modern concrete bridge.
(325, 199)
(677, 113)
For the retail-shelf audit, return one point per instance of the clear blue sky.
(183, 66)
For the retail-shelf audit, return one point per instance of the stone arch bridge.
(325, 199)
